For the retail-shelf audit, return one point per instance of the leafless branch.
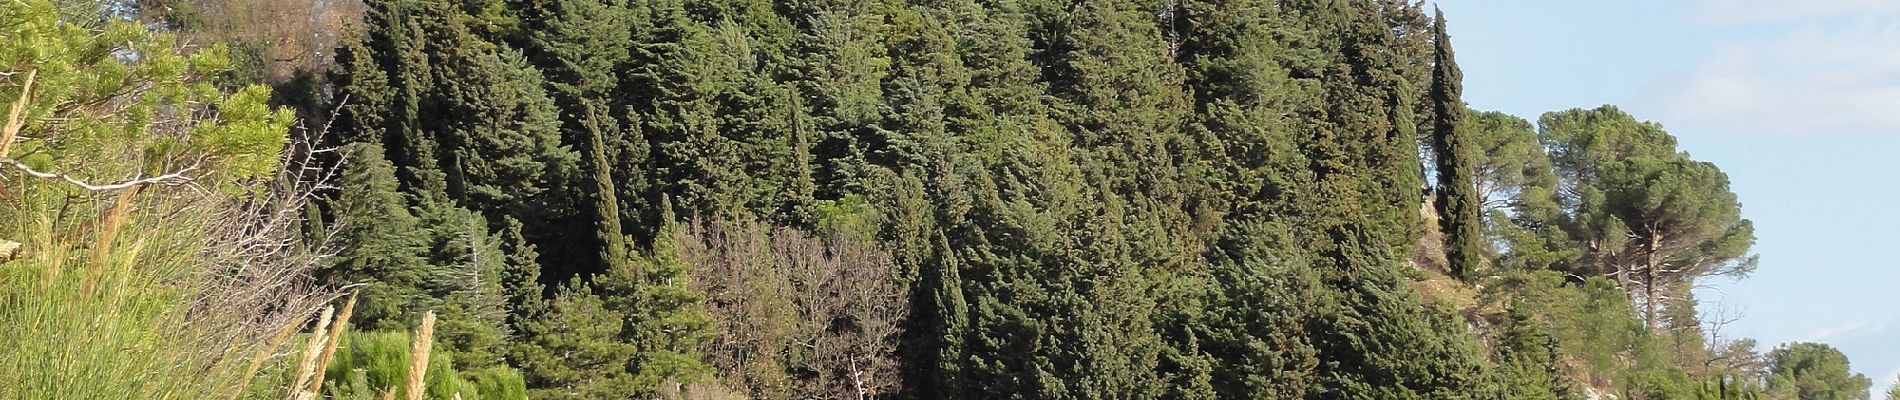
(15, 119)
(775, 288)
(175, 178)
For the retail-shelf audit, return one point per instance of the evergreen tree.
(502, 148)
(376, 241)
(1458, 199)
(581, 47)
(1653, 218)
(1117, 199)
(1518, 187)
(946, 327)
(1528, 360)
(612, 241)
(664, 323)
(1814, 371)
(464, 284)
(521, 281)
(574, 351)
(1254, 321)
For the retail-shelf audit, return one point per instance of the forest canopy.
(777, 199)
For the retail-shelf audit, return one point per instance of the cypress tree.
(945, 316)
(1457, 200)
(410, 145)
(611, 238)
(581, 48)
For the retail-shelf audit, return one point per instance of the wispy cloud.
(1849, 330)
(1833, 78)
(1758, 11)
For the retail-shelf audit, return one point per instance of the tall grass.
(376, 365)
(122, 296)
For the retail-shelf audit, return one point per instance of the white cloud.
(1815, 79)
(1757, 11)
(1849, 330)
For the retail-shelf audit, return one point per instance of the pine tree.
(1458, 199)
(1637, 205)
(575, 351)
(634, 330)
(718, 130)
(521, 281)
(376, 241)
(464, 284)
(581, 47)
(502, 146)
(363, 95)
(1528, 360)
(664, 323)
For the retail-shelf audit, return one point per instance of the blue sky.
(1798, 100)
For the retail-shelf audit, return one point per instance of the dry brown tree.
(798, 316)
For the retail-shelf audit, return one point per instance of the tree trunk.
(1650, 318)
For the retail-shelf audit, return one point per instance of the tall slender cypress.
(1457, 193)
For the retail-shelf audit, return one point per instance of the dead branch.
(175, 178)
(14, 116)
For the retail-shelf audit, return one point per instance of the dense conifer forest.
(837, 199)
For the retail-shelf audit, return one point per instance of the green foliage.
(1528, 361)
(1813, 371)
(1110, 199)
(1519, 189)
(369, 364)
(1645, 209)
(1458, 198)
(636, 328)
(521, 281)
(1252, 324)
(110, 293)
(663, 318)
(376, 240)
(573, 351)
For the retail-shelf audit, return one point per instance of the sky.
(1797, 100)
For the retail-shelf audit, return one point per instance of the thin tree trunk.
(1649, 281)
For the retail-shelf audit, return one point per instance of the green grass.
(99, 304)
(369, 363)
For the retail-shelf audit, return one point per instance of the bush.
(369, 363)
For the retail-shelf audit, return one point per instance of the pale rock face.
(1593, 394)
(9, 250)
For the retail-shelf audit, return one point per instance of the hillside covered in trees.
(779, 199)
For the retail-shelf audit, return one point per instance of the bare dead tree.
(284, 36)
(750, 299)
(821, 313)
(262, 258)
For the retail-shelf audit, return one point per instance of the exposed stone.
(9, 250)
